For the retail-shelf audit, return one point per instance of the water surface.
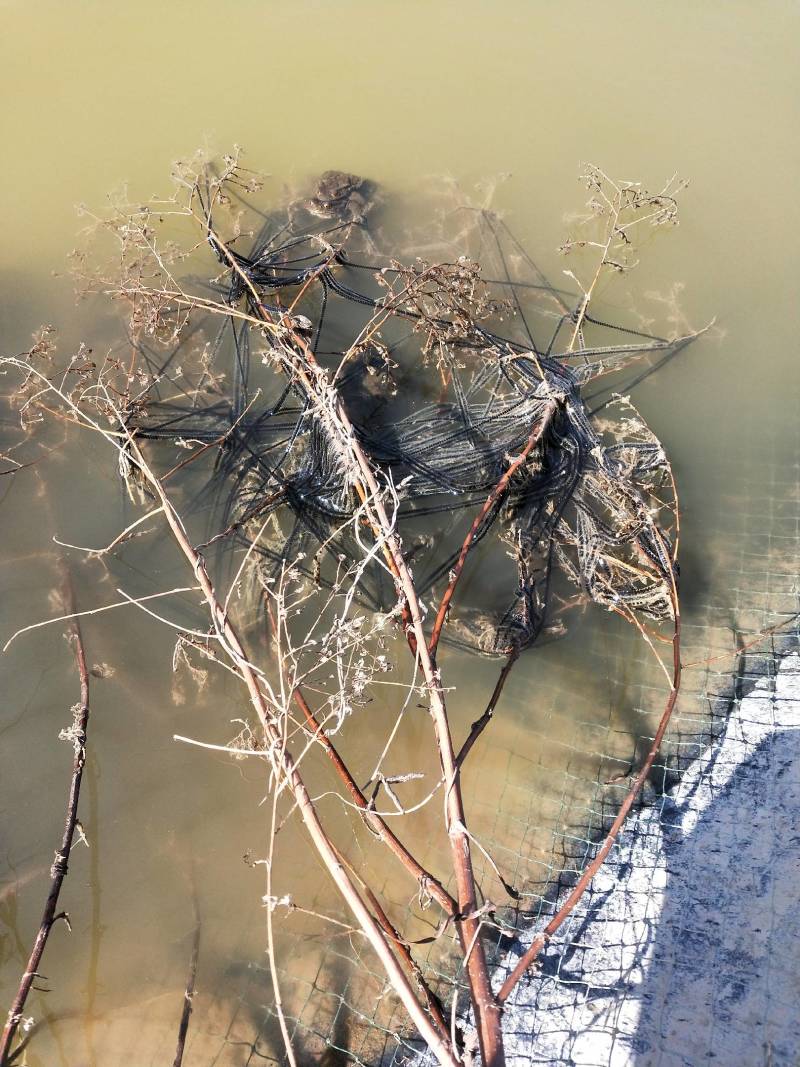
(97, 96)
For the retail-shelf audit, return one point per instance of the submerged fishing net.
(445, 379)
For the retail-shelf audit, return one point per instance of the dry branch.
(427, 883)
(480, 724)
(491, 502)
(528, 959)
(77, 735)
(188, 995)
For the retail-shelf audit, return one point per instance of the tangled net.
(447, 379)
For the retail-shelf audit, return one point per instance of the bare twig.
(480, 724)
(77, 735)
(188, 995)
(427, 883)
(270, 905)
(494, 496)
(404, 952)
(75, 615)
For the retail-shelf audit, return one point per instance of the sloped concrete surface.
(686, 950)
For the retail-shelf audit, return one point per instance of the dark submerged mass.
(444, 376)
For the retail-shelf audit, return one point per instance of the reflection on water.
(112, 94)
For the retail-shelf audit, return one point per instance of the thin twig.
(269, 901)
(480, 724)
(404, 952)
(492, 499)
(58, 872)
(427, 883)
(188, 995)
(73, 615)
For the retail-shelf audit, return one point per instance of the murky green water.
(99, 95)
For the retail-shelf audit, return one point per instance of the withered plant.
(345, 397)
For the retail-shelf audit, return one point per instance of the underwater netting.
(409, 468)
(439, 401)
(676, 953)
(684, 949)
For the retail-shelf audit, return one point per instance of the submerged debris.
(444, 376)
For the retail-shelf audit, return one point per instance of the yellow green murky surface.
(100, 96)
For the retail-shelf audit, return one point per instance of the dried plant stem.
(188, 995)
(494, 496)
(404, 952)
(480, 724)
(273, 965)
(60, 865)
(614, 208)
(588, 293)
(427, 883)
(285, 769)
(486, 1008)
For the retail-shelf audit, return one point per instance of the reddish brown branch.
(58, 871)
(583, 882)
(480, 724)
(485, 1007)
(188, 995)
(404, 952)
(427, 883)
(492, 499)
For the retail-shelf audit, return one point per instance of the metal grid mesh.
(684, 948)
